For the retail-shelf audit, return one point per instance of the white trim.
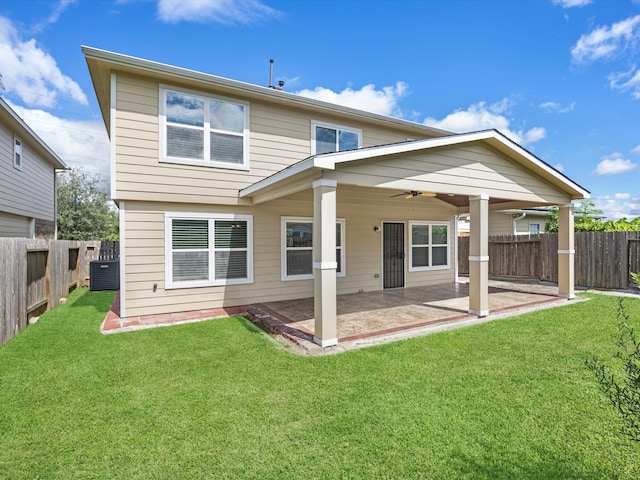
(481, 313)
(430, 224)
(123, 263)
(314, 265)
(295, 169)
(568, 296)
(330, 342)
(169, 284)
(566, 252)
(325, 265)
(332, 126)
(325, 182)
(478, 258)
(206, 129)
(113, 136)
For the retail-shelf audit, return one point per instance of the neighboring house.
(232, 194)
(527, 221)
(27, 179)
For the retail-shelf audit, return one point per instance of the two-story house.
(231, 194)
(27, 179)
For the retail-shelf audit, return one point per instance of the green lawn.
(509, 399)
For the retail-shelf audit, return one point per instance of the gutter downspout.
(455, 253)
(515, 219)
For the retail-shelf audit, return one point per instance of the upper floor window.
(200, 129)
(17, 153)
(429, 246)
(326, 138)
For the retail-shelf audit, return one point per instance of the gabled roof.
(24, 131)
(492, 138)
(102, 63)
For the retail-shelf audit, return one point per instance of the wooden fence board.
(602, 259)
(36, 274)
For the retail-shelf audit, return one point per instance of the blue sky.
(561, 77)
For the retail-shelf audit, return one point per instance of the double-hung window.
(534, 228)
(17, 153)
(326, 137)
(208, 250)
(429, 246)
(200, 129)
(297, 248)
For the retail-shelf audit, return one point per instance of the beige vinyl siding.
(361, 208)
(28, 192)
(279, 136)
(500, 223)
(14, 226)
(465, 170)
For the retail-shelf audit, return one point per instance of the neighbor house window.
(297, 248)
(429, 246)
(17, 153)
(203, 130)
(327, 138)
(206, 250)
(534, 228)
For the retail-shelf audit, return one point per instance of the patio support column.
(324, 262)
(479, 255)
(566, 252)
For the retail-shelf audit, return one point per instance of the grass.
(502, 400)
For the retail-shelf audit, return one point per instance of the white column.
(566, 252)
(324, 262)
(479, 255)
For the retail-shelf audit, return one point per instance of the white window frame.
(430, 224)
(539, 229)
(315, 123)
(18, 157)
(283, 254)
(164, 158)
(211, 218)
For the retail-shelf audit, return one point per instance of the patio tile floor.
(364, 318)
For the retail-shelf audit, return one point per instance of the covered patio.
(472, 173)
(376, 317)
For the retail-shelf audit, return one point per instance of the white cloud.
(31, 73)
(572, 3)
(221, 11)
(383, 101)
(555, 107)
(636, 150)
(606, 41)
(60, 7)
(559, 167)
(80, 144)
(614, 164)
(481, 116)
(620, 205)
(626, 81)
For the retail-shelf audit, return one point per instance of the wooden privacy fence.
(36, 274)
(602, 259)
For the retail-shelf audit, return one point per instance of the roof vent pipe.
(280, 82)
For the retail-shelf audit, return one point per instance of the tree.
(85, 212)
(623, 389)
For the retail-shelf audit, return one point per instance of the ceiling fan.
(415, 193)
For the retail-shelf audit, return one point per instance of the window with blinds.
(297, 254)
(205, 251)
(203, 130)
(429, 246)
(17, 153)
